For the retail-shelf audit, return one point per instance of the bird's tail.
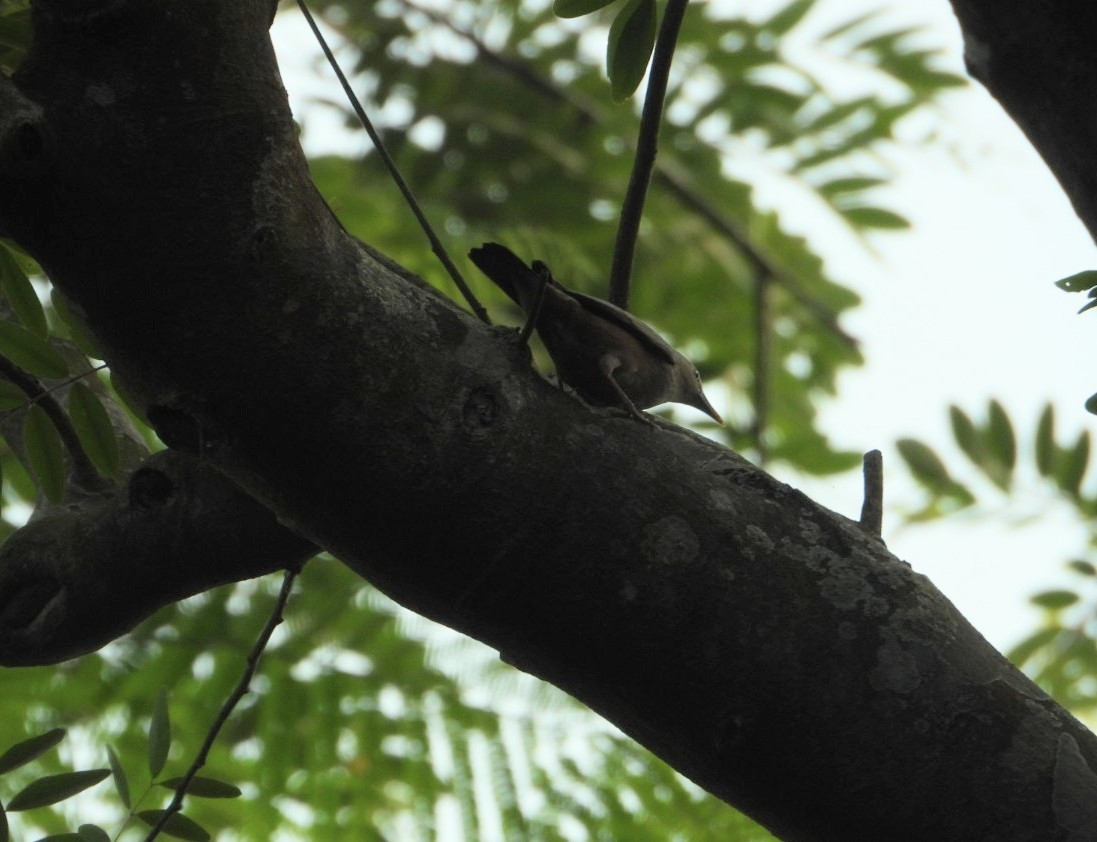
(507, 271)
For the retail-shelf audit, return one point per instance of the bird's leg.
(543, 278)
(609, 364)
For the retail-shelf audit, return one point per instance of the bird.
(607, 355)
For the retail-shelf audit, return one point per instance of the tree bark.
(1039, 62)
(768, 648)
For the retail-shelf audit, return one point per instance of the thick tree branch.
(78, 578)
(766, 647)
(1039, 62)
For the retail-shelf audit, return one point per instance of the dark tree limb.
(1039, 62)
(766, 647)
(76, 579)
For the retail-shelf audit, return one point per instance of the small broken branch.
(872, 510)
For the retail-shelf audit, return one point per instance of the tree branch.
(766, 647)
(872, 509)
(1038, 61)
(176, 528)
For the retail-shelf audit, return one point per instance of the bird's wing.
(510, 273)
(625, 320)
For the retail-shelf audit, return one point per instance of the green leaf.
(178, 825)
(54, 788)
(868, 217)
(631, 38)
(27, 750)
(20, 292)
(1079, 282)
(1002, 444)
(925, 464)
(1023, 651)
(1080, 565)
(577, 8)
(30, 352)
(966, 434)
(842, 186)
(1090, 304)
(121, 783)
(159, 734)
(1072, 465)
(93, 426)
(1091, 404)
(1055, 600)
(1045, 441)
(205, 787)
(887, 42)
(11, 396)
(44, 452)
(849, 25)
(62, 837)
(838, 114)
(93, 833)
(788, 17)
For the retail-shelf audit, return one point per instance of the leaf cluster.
(631, 39)
(52, 414)
(991, 449)
(48, 790)
(1083, 282)
(1061, 655)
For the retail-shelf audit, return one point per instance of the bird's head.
(690, 392)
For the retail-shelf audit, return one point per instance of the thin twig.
(238, 693)
(435, 243)
(84, 472)
(647, 146)
(872, 510)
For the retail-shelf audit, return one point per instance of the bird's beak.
(701, 402)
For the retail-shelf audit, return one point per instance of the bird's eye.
(697, 376)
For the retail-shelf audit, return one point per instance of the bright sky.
(958, 310)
